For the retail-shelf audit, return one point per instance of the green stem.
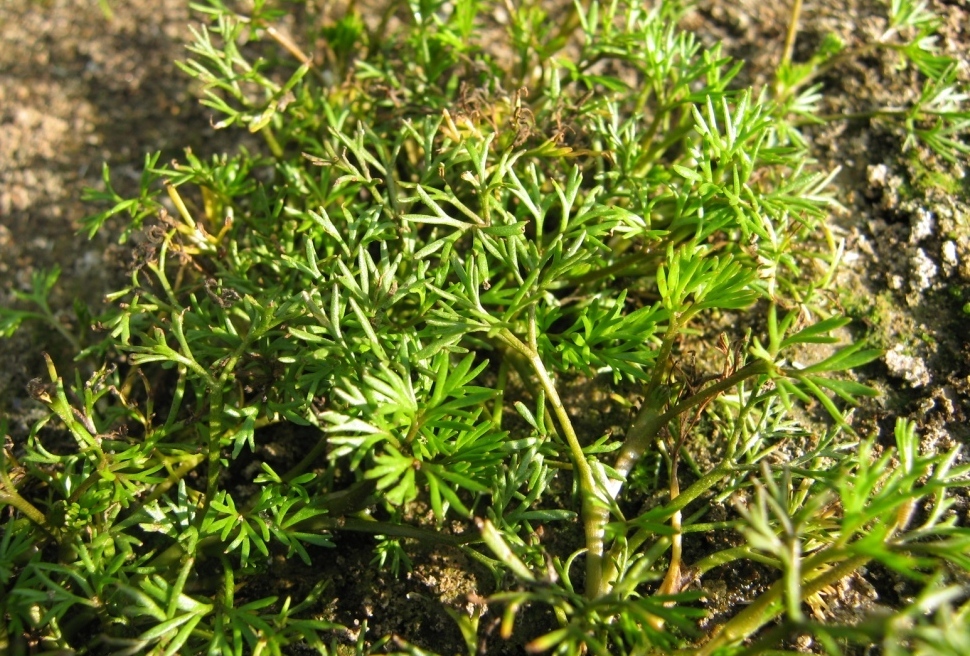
(348, 501)
(48, 316)
(373, 527)
(645, 429)
(769, 605)
(521, 366)
(707, 527)
(10, 496)
(571, 22)
(646, 141)
(726, 556)
(646, 425)
(274, 145)
(500, 383)
(758, 368)
(318, 450)
(192, 542)
(328, 523)
(62, 408)
(651, 421)
(824, 67)
(875, 113)
(595, 512)
(617, 268)
(699, 487)
(190, 463)
(214, 446)
(790, 34)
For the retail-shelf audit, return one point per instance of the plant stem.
(10, 496)
(53, 321)
(726, 556)
(318, 450)
(595, 512)
(176, 198)
(190, 463)
(289, 45)
(617, 268)
(373, 527)
(671, 582)
(822, 68)
(769, 605)
(62, 408)
(650, 420)
(791, 34)
(646, 425)
(699, 487)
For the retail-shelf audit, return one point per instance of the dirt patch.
(78, 90)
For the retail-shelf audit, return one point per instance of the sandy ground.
(78, 90)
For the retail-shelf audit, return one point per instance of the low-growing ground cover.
(542, 316)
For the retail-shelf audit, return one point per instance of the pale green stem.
(792, 578)
(274, 145)
(821, 69)
(645, 429)
(790, 34)
(768, 606)
(309, 459)
(500, 383)
(216, 408)
(726, 556)
(595, 512)
(10, 496)
(699, 487)
(183, 576)
(646, 426)
(329, 524)
(62, 408)
(651, 420)
(190, 463)
(618, 268)
(52, 320)
(373, 527)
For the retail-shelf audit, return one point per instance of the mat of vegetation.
(498, 329)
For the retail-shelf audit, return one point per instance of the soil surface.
(84, 84)
(79, 90)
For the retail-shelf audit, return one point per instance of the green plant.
(427, 251)
(42, 282)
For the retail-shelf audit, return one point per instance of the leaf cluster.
(430, 246)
